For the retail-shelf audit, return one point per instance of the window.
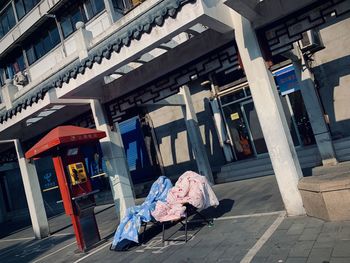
(24, 6)
(93, 7)
(2, 77)
(120, 5)
(42, 42)
(69, 20)
(12, 64)
(7, 21)
(79, 11)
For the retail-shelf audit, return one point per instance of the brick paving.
(248, 209)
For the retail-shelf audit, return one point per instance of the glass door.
(252, 121)
(239, 134)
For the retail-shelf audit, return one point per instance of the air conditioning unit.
(20, 78)
(311, 41)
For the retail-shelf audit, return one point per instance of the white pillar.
(220, 129)
(33, 194)
(116, 163)
(83, 40)
(271, 116)
(315, 113)
(8, 93)
(194, 133)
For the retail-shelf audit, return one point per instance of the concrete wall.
(172, 136)
(54, 59)
(332, 70)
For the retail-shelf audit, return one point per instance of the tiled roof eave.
(133, 31)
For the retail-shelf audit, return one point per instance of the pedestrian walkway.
(249, 226)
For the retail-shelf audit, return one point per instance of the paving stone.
(331, 227)
(324, 244)
(278, 256)
(319, 255)
(286, 224)
(314, 223)
(326, 237)
(296, 229)
(342, 249)
(310, 234)
(340, 260)
(296, 260)
(301, 249)
(260, 260)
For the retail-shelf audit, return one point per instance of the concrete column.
(271, 116)
(8, 93)
(116, 163)
(194, 134)
(83, 39)
(33, 194)
(221, 131)
(315, 113)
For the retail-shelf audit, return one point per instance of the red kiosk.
(64, 144)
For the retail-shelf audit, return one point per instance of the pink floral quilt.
(190, 188)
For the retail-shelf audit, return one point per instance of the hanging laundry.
(190, 188)
(129, 227)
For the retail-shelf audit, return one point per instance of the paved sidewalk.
(249, 226)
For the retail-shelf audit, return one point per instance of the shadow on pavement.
(30, 250)
(225, 206)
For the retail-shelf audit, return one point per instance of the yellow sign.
(77, 173)
(234, 116)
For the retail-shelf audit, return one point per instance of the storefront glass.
(243, 127)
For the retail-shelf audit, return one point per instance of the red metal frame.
(56, 143)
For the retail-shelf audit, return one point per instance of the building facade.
(230, 89)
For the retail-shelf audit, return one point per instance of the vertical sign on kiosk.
(77, 196)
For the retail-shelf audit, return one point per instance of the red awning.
(64, 135)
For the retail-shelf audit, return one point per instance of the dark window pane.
(66, 27)
(99, 5)
(2, 78)
(11, 17)
(2, 33)
(5, 24)
(55, 36)
(20, 9)
(39, 49)
(20, 61)
(28, 5)
(30, 55)
(46, 42)
(94, 7)
(89, 9)
(118, 5)
(9, 72)
(76, 17)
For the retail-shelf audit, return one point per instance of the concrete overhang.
(264, 12)
(42, 117)
(210, 15)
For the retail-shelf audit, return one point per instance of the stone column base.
(326, 196)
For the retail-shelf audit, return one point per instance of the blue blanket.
(130, 225)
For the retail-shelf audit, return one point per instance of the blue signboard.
(286, 80)
(139, 163)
